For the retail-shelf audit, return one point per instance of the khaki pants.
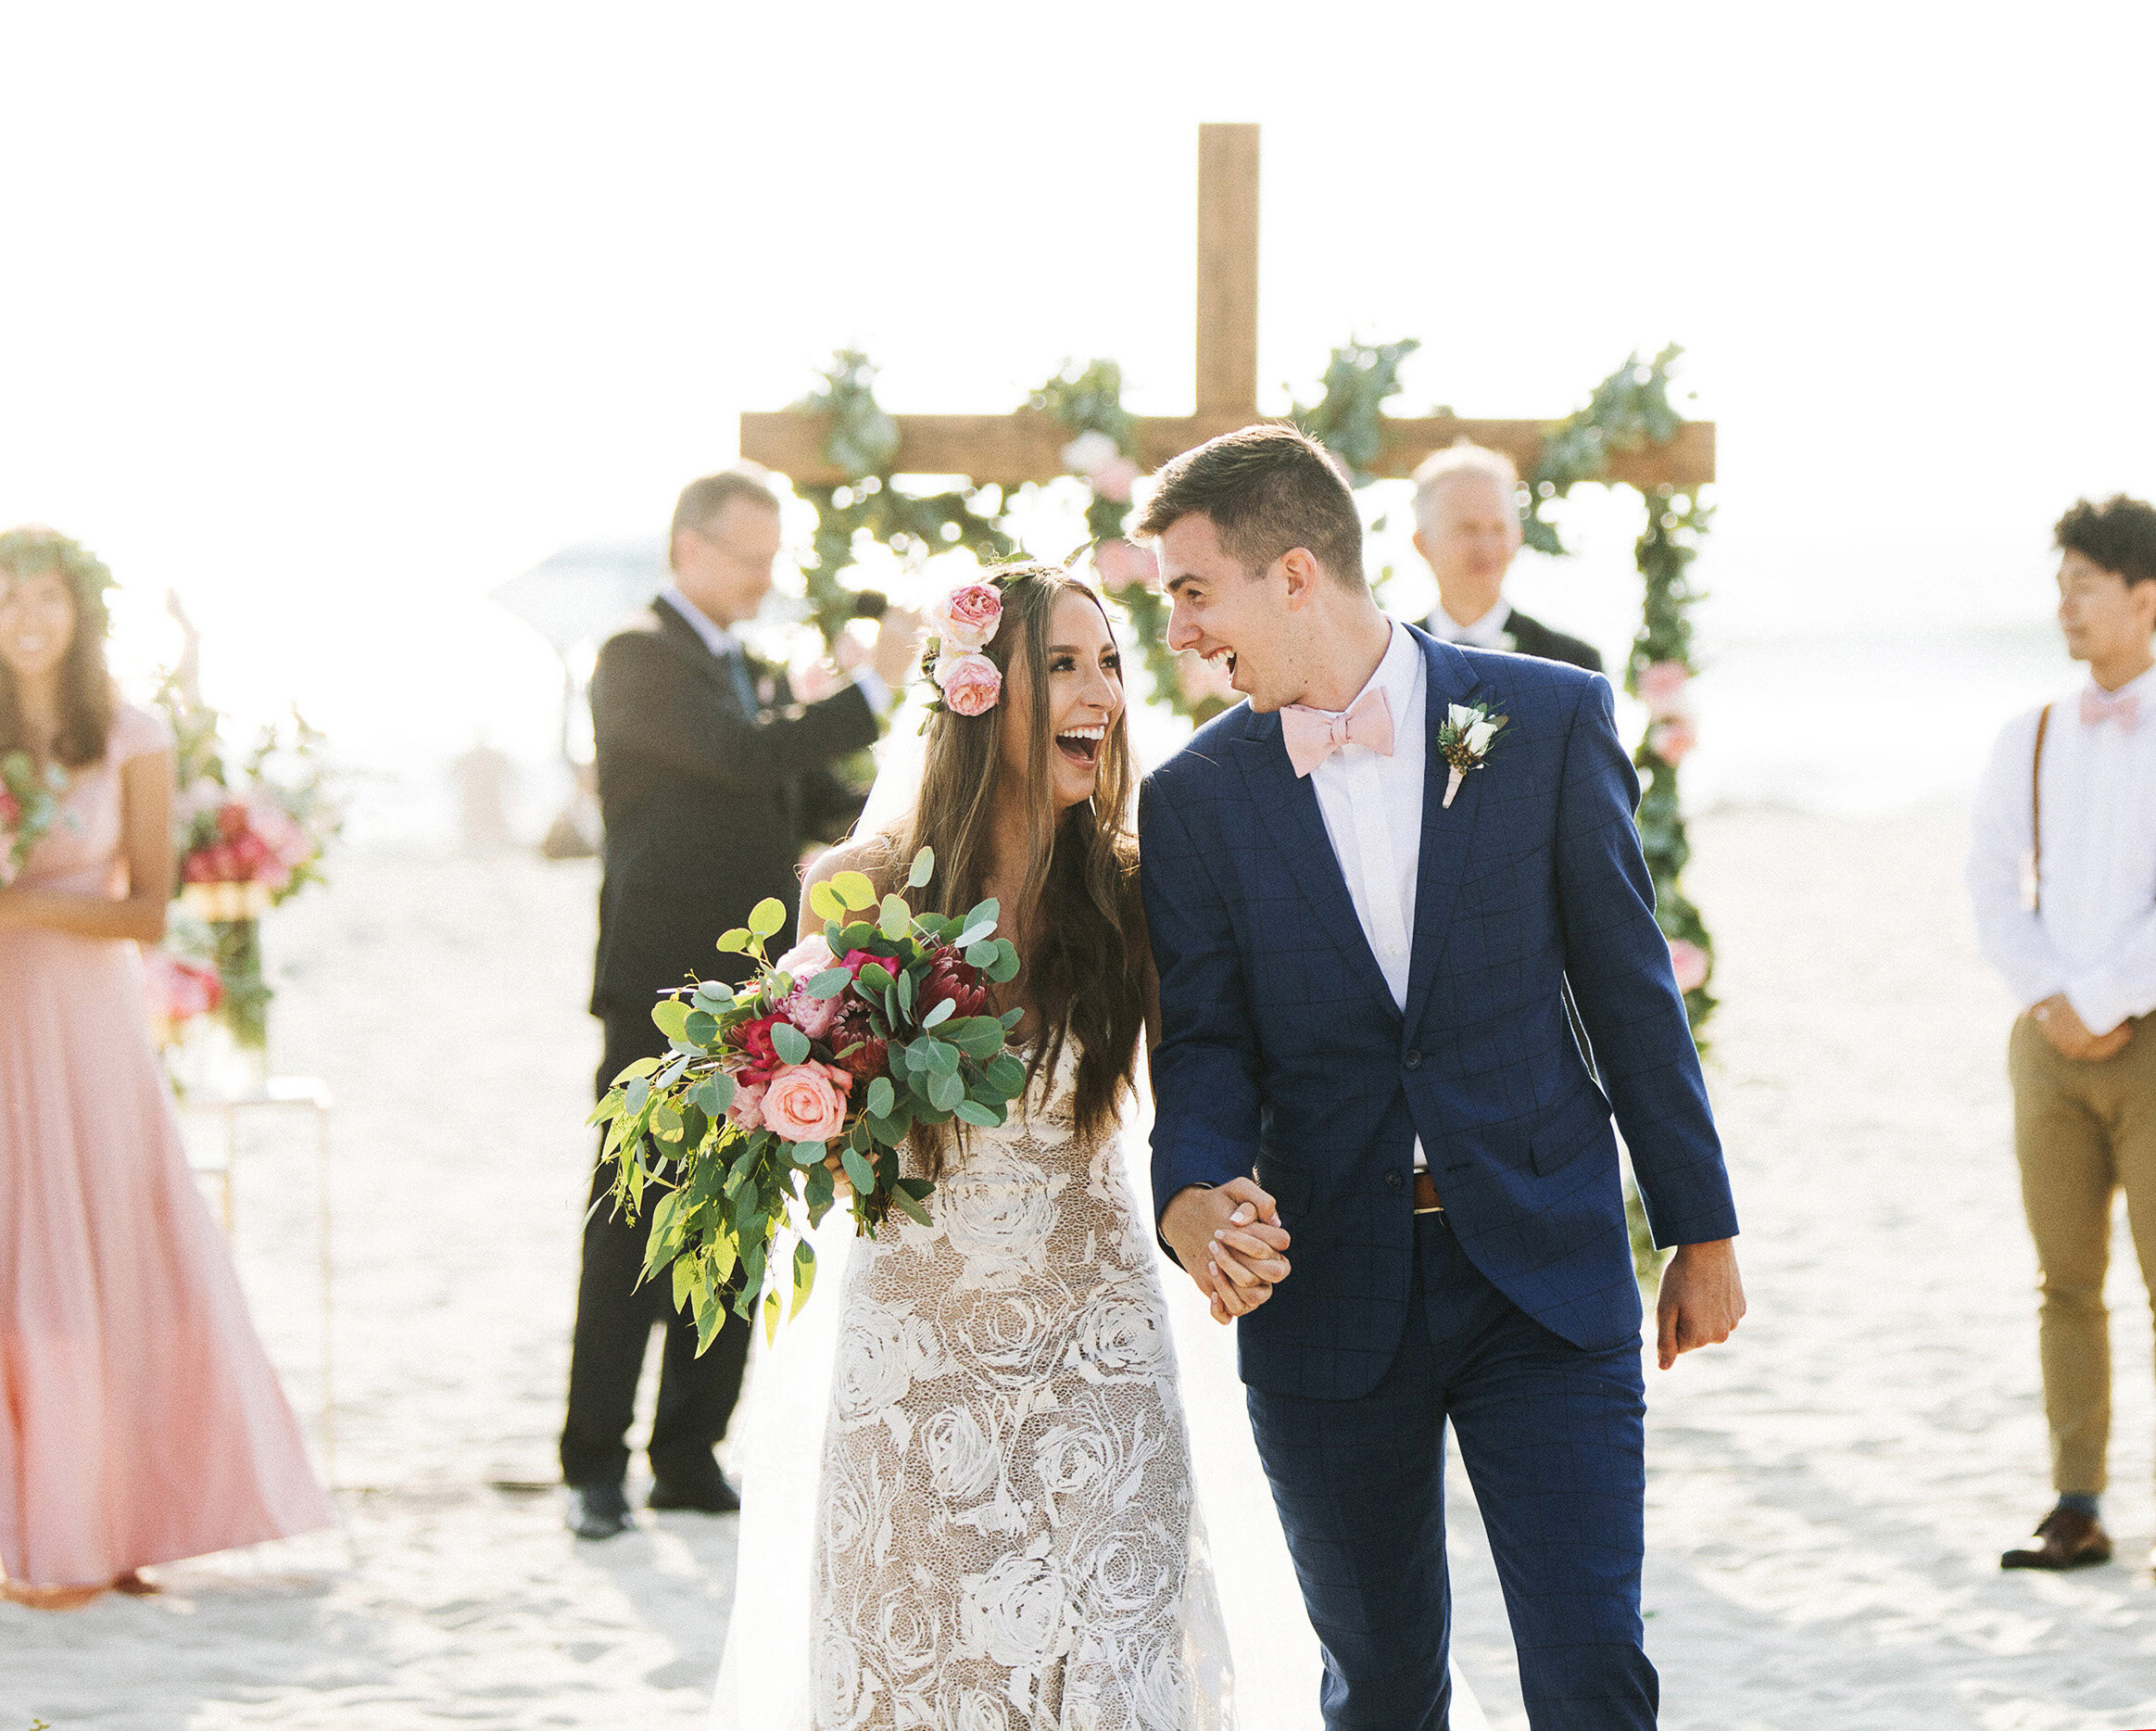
(2082, 1131)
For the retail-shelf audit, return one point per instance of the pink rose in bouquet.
(970, 683)
(967, 617)
(814, 1016)
(808, 958)
(1689, 963)
(747, 1110)
(1661, 686)
(807, 1101)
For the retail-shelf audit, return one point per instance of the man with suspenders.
(2063, 872)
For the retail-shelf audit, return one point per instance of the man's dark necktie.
(744, 686)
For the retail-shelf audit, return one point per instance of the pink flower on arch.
(1661, 686)
(1689, 963)
(1672, 740)
(1119, 564)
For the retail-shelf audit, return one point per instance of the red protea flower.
(950, 976)
(869, 1056)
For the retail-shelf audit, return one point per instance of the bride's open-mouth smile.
(1082, 745)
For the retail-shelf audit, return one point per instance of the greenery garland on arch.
(1628, 410)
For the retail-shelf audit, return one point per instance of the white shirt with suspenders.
(2062, 856)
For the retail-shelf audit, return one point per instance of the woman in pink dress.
(140, 1420)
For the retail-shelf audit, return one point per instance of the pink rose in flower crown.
(970, 684)
(1119, 564)
(807, 1101)
(1672, 740)
(967, 617)
(1689, 963)
(1661, 686)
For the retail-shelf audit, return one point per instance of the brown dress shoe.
(2071, 1540)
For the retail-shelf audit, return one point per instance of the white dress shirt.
(1373, 808)
(2095, 938)
(723, 642)
(1488, 632)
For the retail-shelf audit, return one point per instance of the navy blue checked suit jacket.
(1283, 1053)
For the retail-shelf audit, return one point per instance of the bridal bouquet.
(836, 1049)
(29, 806)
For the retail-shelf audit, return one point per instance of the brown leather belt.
(1426, 1200)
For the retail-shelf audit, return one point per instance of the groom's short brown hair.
(1266, 489)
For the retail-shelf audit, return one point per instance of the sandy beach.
(1827, 1499)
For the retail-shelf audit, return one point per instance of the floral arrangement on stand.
(828, 1059)
(1628, 410)
(249, 829)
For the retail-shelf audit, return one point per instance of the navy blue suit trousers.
(1552, 1438)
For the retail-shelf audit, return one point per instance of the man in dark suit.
(1467, 528)
(712, 780)
(1363, 922)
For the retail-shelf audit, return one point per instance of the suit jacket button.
(1392, 1180)
(1413, 1060)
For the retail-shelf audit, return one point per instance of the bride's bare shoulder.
(873, 855)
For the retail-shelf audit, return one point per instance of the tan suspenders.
(2035, 860)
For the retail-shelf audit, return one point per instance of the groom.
(1362, 975)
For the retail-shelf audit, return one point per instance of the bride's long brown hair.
(1084, 941)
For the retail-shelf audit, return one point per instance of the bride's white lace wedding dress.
(1006, 1531)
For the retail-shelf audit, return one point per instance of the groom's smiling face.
(1239, 620)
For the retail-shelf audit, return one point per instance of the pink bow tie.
(2098, 707)
(1313, 734)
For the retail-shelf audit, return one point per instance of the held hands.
(1702, 1299)
(2069, 1034)
(1230, 1242)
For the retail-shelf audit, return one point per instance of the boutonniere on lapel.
(1465, 738)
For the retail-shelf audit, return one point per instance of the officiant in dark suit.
(712, 781)
(1467, 528)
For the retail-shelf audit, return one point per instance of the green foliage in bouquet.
(29, 807)
(863, 1050)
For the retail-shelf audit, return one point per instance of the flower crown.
(960, 625)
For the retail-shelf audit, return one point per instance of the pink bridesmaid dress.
(140, 1420)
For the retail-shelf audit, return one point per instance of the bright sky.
(334, 318)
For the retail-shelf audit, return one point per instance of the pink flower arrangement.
(970, 684)
(967, 617)
(808, 1081)
(1661, 688)
(1119, 564)
(253, 839)
(180, 990)
(807, 1101)
(1671, 740)
(1689, 963)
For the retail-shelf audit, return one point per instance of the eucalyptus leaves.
(823, 1063)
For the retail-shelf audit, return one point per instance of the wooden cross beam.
(1010, 449)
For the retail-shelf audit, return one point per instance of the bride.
(1005, 1534)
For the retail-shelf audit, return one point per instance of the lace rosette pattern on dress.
(1007, 1535)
